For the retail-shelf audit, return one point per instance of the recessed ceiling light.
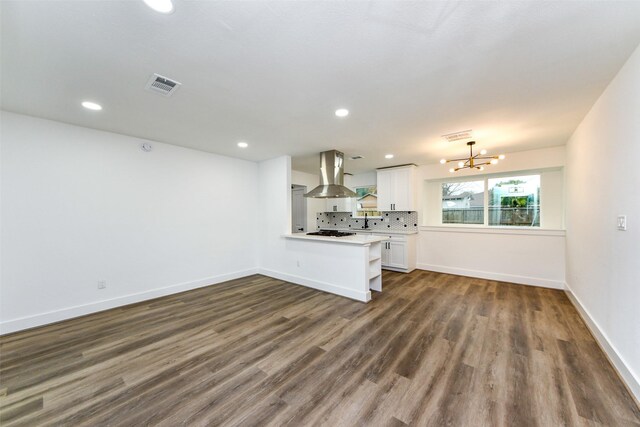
(162, 6)
(243, 144)
(342, 112)
(388, 156)
(91, 106)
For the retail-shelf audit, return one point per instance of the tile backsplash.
(396, 220)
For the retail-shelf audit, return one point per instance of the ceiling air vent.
(162, 85)
(356, 157)
(458, 136)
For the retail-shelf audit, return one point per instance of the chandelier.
(479, 161)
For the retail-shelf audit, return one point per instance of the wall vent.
(162, 85)
(356, 157)
(458, 136)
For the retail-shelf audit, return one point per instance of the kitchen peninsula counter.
(348, 240)
(350, 266)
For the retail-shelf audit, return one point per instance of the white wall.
(81, 205)
(517, 256)
(602, 176)
(361, 179)
(274, 189)
(313, 205)
(532, 257)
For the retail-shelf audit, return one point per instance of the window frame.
(354, 207)
(485, 180)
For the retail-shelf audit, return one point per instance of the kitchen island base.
(347, 266)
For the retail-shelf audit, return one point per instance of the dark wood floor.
(433, 349)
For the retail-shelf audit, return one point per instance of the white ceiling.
(520, 74)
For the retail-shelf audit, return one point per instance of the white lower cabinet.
(399, 252)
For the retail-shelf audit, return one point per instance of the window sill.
(527, 231)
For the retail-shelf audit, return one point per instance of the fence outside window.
(501, 216)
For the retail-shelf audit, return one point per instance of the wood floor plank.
(432, 349)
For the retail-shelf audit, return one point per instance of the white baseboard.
(489, 275)
(631, 381)
(41, 319)
(315, 284)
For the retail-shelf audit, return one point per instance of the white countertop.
(376, 231)
(349, 240)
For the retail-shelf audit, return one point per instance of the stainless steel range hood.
(331, 177)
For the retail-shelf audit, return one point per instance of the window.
(514, 201)
(463, 202)
(367, 201)
(501, 202)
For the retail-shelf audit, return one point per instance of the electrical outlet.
(622, 222)
(102, 284)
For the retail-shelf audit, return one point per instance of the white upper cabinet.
(396, 189)
(340, 205)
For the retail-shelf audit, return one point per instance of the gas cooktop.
(330, 233)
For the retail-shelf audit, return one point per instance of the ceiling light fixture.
(342, 112)
(243, 144)
(474, 162)
(388, 156)
(91, 106)
(162, 6)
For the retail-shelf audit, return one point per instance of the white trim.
(530, 231)
(315, 284)
(511, 278)
(22, 323)
(628, 377)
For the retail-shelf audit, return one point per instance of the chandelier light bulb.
(460, 164)
(443, 161)
(483, 152)
(452, 170)
(501, 156)
(494, 161)
(481, 168)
